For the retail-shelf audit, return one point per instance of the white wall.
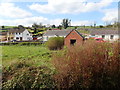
(107, 37)
(25, 35)
(17, 35)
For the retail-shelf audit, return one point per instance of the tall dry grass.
(91, 65)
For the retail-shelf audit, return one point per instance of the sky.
(49, 12)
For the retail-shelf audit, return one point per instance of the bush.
(22, 75)
(55, 43)
(93, 65)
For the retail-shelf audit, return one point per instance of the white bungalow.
(107, 35)
(55, 33)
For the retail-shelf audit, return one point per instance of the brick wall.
(73, 35)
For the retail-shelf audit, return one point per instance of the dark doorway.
(72, 41)
(20, 38)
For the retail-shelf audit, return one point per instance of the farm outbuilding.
(72, 37)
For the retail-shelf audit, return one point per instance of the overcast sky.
(81, 12)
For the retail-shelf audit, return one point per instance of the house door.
(72, 41)
(20, 38)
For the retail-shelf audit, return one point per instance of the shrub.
(93, 65)
(55, 43)
(24, 76)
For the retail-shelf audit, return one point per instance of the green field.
(37, 55)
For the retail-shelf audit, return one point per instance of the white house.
(107, 35)
(19, 35)
(55, 33)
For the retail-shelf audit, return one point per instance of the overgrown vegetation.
(22, 75)
(26, 67)
(55, 43)
(93, 65)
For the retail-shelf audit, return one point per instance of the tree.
(35, 26)
(101, 26)
(40, 25)
(94, 24)
(66, 23)
(53, 26)
(21, 26)
(3, 27)
(59, 27)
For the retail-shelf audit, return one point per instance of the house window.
(17, 37)
(103, 36)
(11, 37)
(93, 34)
(111, 36)
(27, 34)
(19, 33)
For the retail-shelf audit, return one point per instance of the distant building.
(3, 36)
(18, 34)
(71, 36)
(107, 35)
(55, 33)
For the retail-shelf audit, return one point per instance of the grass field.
(38, 55)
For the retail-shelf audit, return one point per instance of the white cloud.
(29, 21)
(79, 23)
(12, 11)
(23, 1)
(111, 15)
(69, 6)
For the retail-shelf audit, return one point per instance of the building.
(71, 36)
(74, 37)
(107, 35)
(3, 36)
(55, 33)
(18, 34)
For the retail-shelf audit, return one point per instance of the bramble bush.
(55, 43)
(22, 75)
(91, 65)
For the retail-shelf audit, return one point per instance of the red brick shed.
(73, 38)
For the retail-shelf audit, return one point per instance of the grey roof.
(100, 32)
(57, 32)
(16, 30)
